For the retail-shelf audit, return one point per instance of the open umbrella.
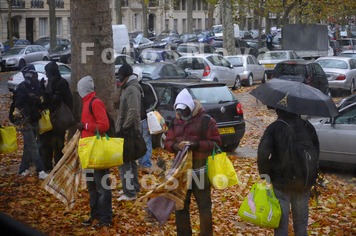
(295, 97)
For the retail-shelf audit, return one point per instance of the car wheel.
(45, 59)
(22, 64)
(230, 147)
(250, 80)
(237, 84)
(265, 78)
(352, 87)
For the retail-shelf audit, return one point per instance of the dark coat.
(149, 99)
(273, 148)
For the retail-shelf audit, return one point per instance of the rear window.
(205, 95)
(236, 61)
(330, 63)
(290, 69)
(274, 56)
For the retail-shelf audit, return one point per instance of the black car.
(62, 53)
(218, 101)
(307, 72)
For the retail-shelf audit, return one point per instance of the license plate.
(269, 66)
(227, 130)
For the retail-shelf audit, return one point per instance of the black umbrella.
(295, 97)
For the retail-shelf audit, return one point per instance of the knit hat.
(52, 69)
(29, 72)
(184, 100)
(85, 86)
(125, 71)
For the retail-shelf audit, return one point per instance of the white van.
(121, 40)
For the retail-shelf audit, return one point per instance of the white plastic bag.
(156, 123)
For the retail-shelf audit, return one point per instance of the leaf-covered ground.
(23, 199)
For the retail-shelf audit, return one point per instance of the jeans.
(201, 191)
(98, 184)
(51, 145)
(145, 161)
(30, 149)
(129, 178)
(298, 201)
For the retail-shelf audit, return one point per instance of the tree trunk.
(92, 52)
(228, 27)
(52, 24)
(9, 23)
(211, 9)
(118, 12)
(144, 19)
(189, 16)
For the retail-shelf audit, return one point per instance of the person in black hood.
(55, 92)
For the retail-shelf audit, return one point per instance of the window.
(194, 5)
(18, 3)
(37, 4)
(59, 26)
(176, 5)
(184, 6)
(175, 24)
(68, 26)
(59, 3)
(43, 22)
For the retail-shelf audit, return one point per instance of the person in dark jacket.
(98, 182)
(272, 151)
(28, 102)
(129, 120)
(187, 130)
(56, 92)
(149, 102)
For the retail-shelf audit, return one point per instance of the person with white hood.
(193, 127)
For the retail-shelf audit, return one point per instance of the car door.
(257, 70)
(30, 54)
(337, 141)
(222, 70)
(193, 65)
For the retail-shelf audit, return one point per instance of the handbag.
(221, 171)
(44, 123)
(261, 207)
(62, 118)
(100, 152)
(134, 146)
(156, 122)
(8, 139)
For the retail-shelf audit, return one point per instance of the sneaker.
(87, 222)
(42, 175)
(100, 225)
(24, 173)
(126, 198)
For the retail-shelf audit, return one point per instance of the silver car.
(14, 80)
(211, 67)
(348, 53)
(252, 69)
(337, 136)
(340, 72)
(20, 56)
(271, 58)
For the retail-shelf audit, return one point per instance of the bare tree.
(228, 27)
(9, 23)
(118, 6)
(92, 52)
(144, 18)
(52, 24)
(189, 16)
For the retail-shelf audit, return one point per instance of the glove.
(193, 145)
(80, 126)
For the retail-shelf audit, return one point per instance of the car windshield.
(290, 69)
(274, 56)
(40, 68)
(15, 51)
(219, 94)
(350, 55)
(331, 63)
(148, 69)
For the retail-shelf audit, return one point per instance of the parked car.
(337, 136)
(169, 41)
(139, 43)
(121, 59)
(2, 48)
(340, 71)
(347, 43)
(211, 67)
(14, 80)
(205, 36)
(307, 72)
(19, 56)
(17, 42)
(252, 69)
(46, 41)
(216, 98)
(348, 53)
(244, 48)
(346, 101)
(62, 53)
(163, 70)
(335, 45)
(271, 58)
(150, 55)
(188, 37)
(195, 48)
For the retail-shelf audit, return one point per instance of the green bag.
(261, 207)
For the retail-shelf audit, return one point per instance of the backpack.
(302, 163)
(111, 132)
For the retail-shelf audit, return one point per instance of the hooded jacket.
(98, 120)
(191, 130)
(129, 106)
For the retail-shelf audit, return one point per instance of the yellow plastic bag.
(261, 207)
(98, 152)
(221, 172)
(8, 139)
(44, 123)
